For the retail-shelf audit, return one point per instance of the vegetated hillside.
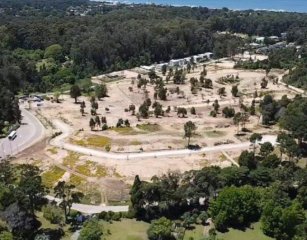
(119, 37)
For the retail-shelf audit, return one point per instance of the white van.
(12, 135)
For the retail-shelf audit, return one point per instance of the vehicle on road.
(12, 135)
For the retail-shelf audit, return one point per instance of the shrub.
(53, 214)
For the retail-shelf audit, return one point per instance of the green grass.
(215, 134)
(126, 229)
(51, 177)
(250, 234)
(94, 141)
(233, 234)
(196, 233)
(149, 127)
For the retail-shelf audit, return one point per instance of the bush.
(53, 214)
(92, 230)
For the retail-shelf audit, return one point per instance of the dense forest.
(119, 37)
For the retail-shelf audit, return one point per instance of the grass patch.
(127, 229)
(254, 233)
(51, 177)
(94, 141)
(149, 127)
(196, 233)
(125, 131)
(135, 142)
(71, 160)
(215, 134)
(76, 180)
(53, 150)
(92, 169)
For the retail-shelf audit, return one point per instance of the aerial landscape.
(153, 121)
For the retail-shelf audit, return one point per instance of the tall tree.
(75, 92)
(189, 130)
(67, 195)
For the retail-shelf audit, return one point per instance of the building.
(177, 62)
(148, 68)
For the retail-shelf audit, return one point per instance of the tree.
(271, 161)
(216, 105)
(54, 51)
(279, 222)
(189, 130)
(264, 83)
(221, 91)
(31, 187)
(228, 112)
(65, 192)
(97, 121)
(248, 160)
(235, 207)
(158, 111)
(252, 109)
(143, 110)
(182, 111)
(75, 92)
(193, 111)
(189, 218)
(91, 230)
(295, 118)
(254, 138)
(22, 223)
(234, 91)
(92, 124)
(164, 69)
(101, 91)
(266, 149)
(189, 67)
(162, 93)
(160, 229)
(208, 83)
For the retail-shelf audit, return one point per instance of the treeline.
(286, 58)
(266, 187)
(102, 43)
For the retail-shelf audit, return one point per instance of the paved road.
(66, 131)
(30, 132)
(91, 209)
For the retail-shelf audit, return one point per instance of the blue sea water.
(274, 5)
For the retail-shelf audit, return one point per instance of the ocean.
(272, 5)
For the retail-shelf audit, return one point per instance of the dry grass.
(92, 169)
(149, 127)
(71, 160)
(53, 150)
(51, 177)
(125, 131)
(94, 141)
(215, 134)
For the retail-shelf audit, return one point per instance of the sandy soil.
(170, 131)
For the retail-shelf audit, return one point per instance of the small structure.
(148, 68)
(259, 39)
